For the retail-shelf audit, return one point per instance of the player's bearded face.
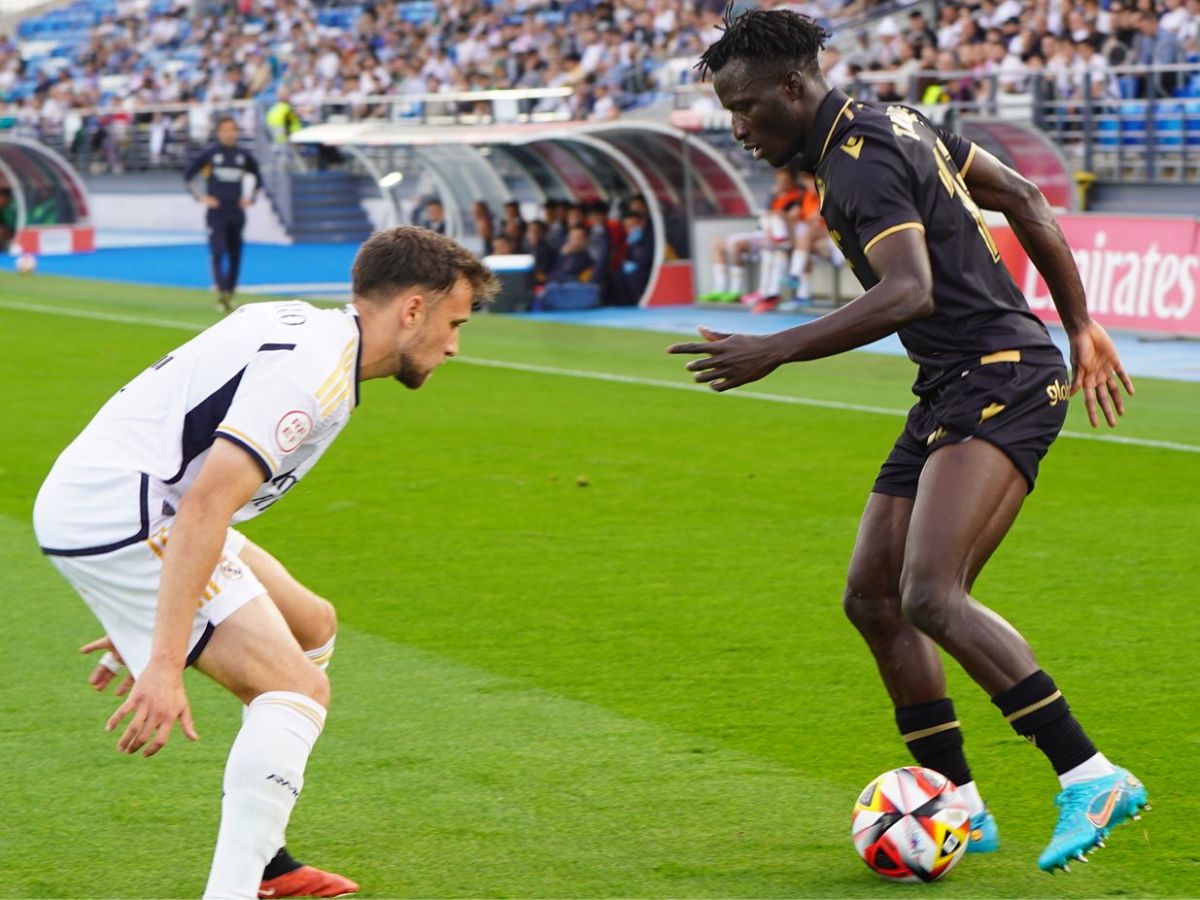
(435, 339)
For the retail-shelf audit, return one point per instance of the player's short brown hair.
(412, 258)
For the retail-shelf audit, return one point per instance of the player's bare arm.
(903, 295)
(225, 484)
(1095, 365)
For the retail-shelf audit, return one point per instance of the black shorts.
(1019, 406)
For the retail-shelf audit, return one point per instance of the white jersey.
(278, 379)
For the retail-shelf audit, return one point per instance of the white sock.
(263, 778)
(799, 263)
(720, 278)
(737, 279)
(766, 263)
(1096, 766)
(320, 656)
(774, 265)
(970, 794)
(323, 654)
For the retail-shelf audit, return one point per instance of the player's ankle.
(1095, 766)
(1037, 710)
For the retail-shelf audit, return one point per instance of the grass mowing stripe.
(101, 316)
(610, 376)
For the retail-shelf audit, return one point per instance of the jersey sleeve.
(961, 150)
(276, 407)
(876, 193)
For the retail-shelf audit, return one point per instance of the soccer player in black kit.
(900, 197)
(224, 164)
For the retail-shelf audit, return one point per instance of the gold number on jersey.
(952, 180)
(904, 124)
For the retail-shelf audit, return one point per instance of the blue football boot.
(985, 834)
(1088, 811)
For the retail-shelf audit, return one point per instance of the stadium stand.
(132, 84)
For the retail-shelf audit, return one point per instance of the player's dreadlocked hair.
(778, 35)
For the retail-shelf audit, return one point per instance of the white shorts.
(121, 588)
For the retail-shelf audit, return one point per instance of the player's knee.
(874, 612)
(324, 623)
(315, 684)
(929, 604)
(315, 624)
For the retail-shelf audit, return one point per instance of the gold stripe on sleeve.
(967, 164)
(903, 226)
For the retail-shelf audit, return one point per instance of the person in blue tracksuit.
(224, 166)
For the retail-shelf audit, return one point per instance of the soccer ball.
(911, 824)
(26, 263)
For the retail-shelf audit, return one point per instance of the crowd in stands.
(135, 53)
(314, 58)
(1002, 46)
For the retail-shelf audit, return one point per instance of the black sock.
(934, 738)
(1037, 710)
(281, 865)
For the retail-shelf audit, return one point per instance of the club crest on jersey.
(292, 429)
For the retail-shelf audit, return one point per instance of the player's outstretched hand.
(157, 701)
(1096, 368)
(732, 359)
(110, 666)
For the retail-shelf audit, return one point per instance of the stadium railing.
(124, 138)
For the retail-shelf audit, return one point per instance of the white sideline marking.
(610, 377)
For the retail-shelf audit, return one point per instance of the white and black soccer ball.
(911, 824)
(26, 263)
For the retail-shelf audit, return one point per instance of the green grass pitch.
(641, 687)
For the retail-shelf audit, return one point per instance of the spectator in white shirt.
(1175, 19)
(1088, 62)
(949, 27)
(604, 108)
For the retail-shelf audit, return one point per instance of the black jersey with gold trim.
(882, 169)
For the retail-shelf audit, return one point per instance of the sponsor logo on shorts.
(292, 429)
(1058, 392)
(229, 569)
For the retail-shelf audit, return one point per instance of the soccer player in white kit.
(137, 513)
